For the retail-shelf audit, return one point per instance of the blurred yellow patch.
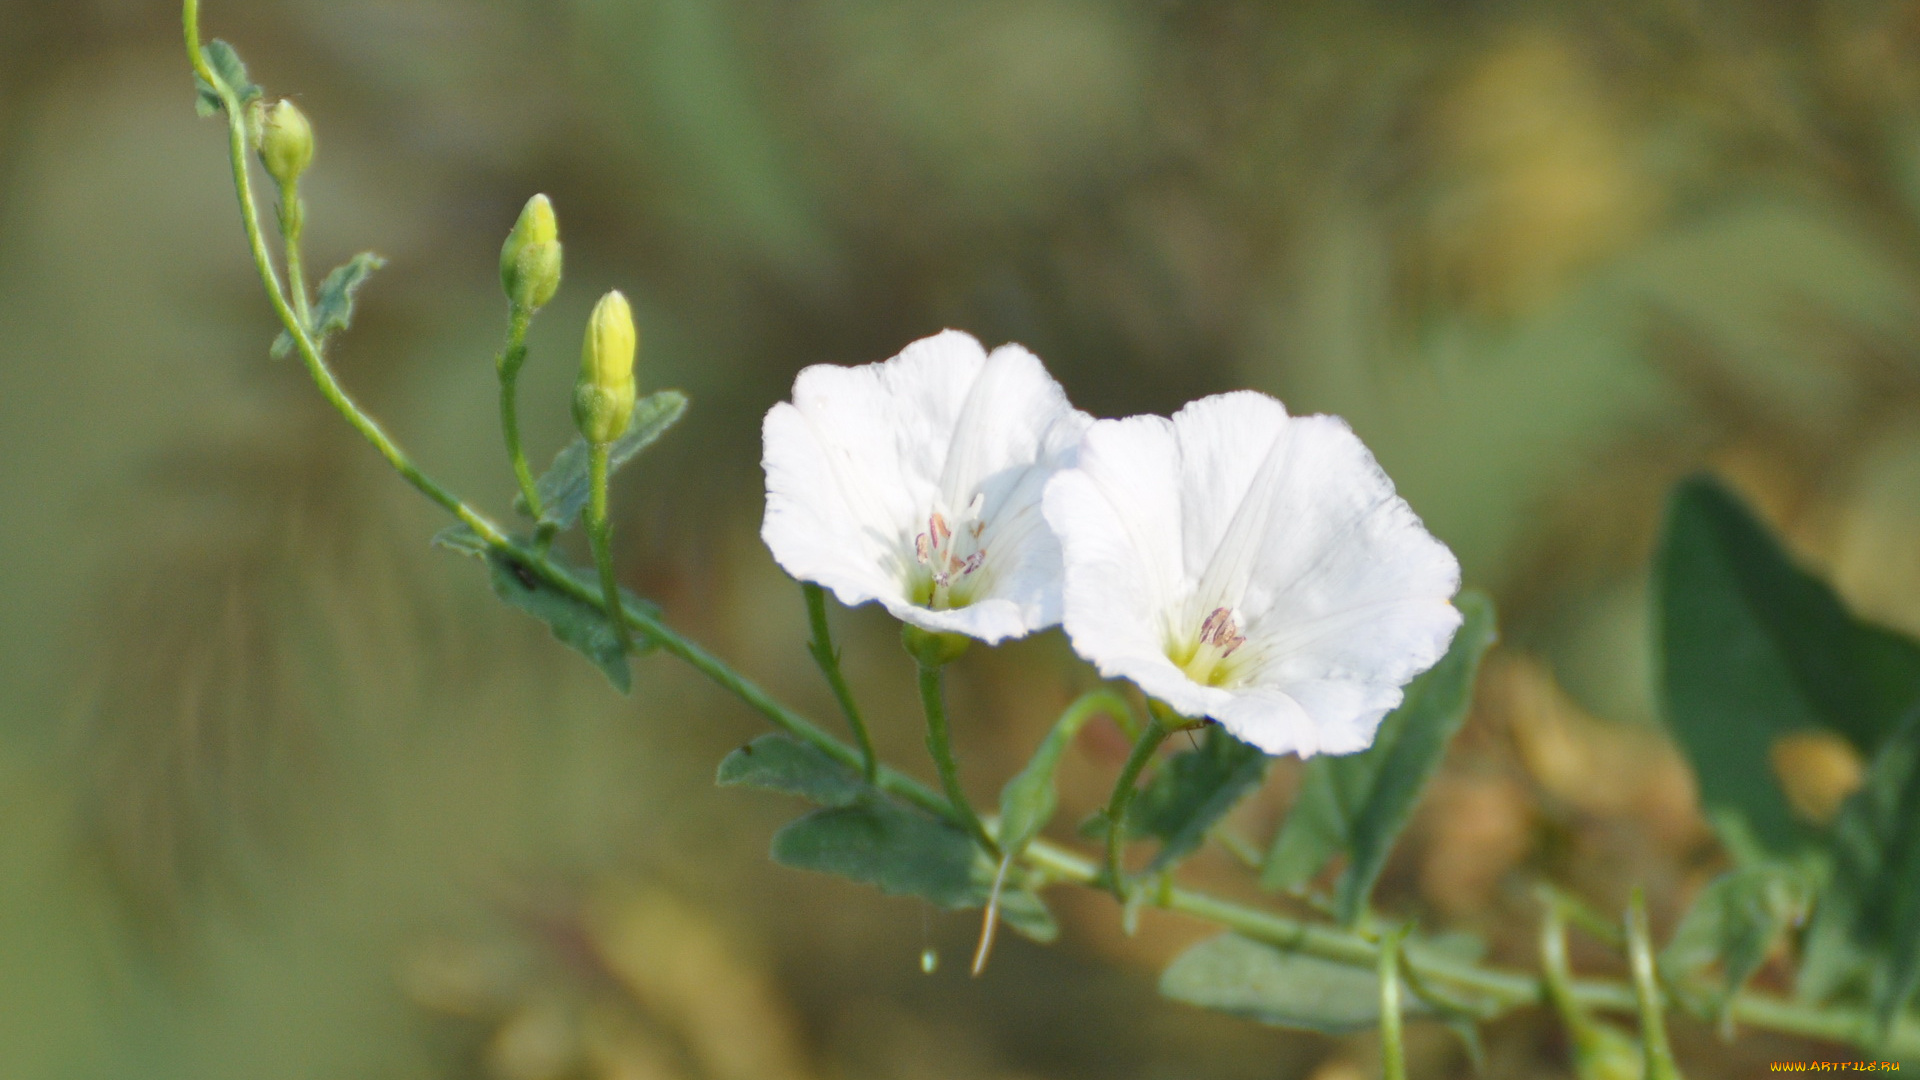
(1817, 770)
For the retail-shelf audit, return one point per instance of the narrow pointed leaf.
(1359, 803)
(1752, 647)
(564, 487)
(1250, 979)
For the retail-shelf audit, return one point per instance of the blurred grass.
(266, 757)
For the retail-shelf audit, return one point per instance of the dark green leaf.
(1752, 647)
(780, 763)
(563, 488)
(226, 65)
(1360, 802)
(1734, 924)
(333, 307)
(1192, 791)
(900, 850)
(906, 852)
(1246, 978)
(1868, 923)
(583, 626)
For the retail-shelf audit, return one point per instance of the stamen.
(937, 527)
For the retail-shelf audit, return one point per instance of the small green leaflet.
(333, 308)
(1733, 925)
(227, 67)
(1752, 647)
(1246, 978)
(784, 764)
(1359, 803)
(1191, 792)
(563, 489)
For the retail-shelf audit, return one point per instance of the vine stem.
(508, 367)
(1503, 989)
(828, 658)
(933, 700)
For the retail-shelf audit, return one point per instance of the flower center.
(1204, 657)
(950, 557)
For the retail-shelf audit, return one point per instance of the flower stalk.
(828, 659)
(940, 748)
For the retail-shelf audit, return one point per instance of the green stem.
(1659, 1064)
(508, 367)
(825, 655)
(1393, 1054)
(1122, 797)
(292, 222)
(600, 534)
(940, 747)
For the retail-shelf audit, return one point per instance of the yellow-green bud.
(530, 259)
(603, 398)
(286, 142)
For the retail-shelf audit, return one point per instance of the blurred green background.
(288, 794)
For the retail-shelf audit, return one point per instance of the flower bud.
(603, 398)
(286, 142)
(530, 259)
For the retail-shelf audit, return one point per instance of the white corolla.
(917, 482)
(1257, 568)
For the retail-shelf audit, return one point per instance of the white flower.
(917, 482)
(1256, 568)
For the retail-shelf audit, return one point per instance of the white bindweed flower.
(1242, 564)
(917, 482)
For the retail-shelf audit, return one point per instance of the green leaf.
(902, 851)
(333, 307)
(1868, 923)
(784, 764)
(1359, 803)
(563, 488)
(1752, 647)
(1243, 977)
(907, 852)
(1191, 792)
(1029, 799)
(581, 625)
(227, 66)
(1734, 924)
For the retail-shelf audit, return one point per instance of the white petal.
(1118, 517)
(1289, 523)
(863, 456)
